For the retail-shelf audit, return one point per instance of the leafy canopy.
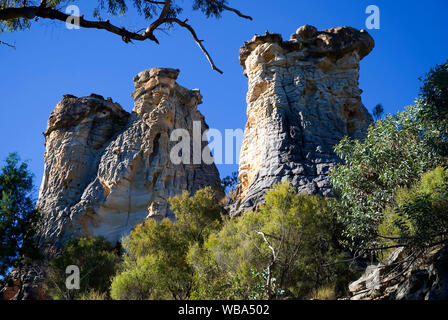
(17, 214)
(146, 8)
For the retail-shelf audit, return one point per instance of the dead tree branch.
(232, 10)
(271, 264)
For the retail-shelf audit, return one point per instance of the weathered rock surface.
(24, 284)
(400, 277)
(303, 98)
(107, 170)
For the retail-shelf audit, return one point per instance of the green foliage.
(17, 215)
(229, 183)
(155, 265)
(420, 218)
(97, 261)
(94, 295)
(378, 111)
(324, 293)
(434, 106)
(280, 251)
(394, 154)
(13, 24)
(148, 9)
(197, 215)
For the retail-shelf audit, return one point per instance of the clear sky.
(51, 61)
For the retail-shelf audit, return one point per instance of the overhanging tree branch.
(184, 24)
(165, 17)
(7, 44)
(223, 6)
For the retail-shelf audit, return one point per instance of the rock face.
(303, 98)
(401, 278)
(107, 170)
(24, 284)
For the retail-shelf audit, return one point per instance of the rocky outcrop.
(303, 98)
(24, 284)
(405, 275)
(107, 170)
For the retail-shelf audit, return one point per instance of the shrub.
(394, 154)
(280, 251)
(420, 218)
(155, 265)
(97, 261)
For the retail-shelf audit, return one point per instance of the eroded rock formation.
(405, 275)
(303, 98)
(107, 170)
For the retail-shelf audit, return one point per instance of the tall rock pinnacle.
(303, 98)
(107, 170)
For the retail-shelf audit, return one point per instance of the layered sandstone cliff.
(107, 170)
(303, 98)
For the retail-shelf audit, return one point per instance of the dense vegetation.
(396, 153)
(278, 252)
(154, 265)
(284, 250)
(97, 261)
(420, 218)
(17, 215)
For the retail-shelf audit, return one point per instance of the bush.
(155, 264)
(97, 261)
(394, 154)
(286, 249)
(420, 218)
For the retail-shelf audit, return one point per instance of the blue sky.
(51, 61)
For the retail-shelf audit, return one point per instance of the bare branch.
(222, 5)
(271, 264)
(160, 20)
(13, 46)
(198, 42)
(274, 255)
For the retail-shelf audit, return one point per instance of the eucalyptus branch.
(46, 12)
